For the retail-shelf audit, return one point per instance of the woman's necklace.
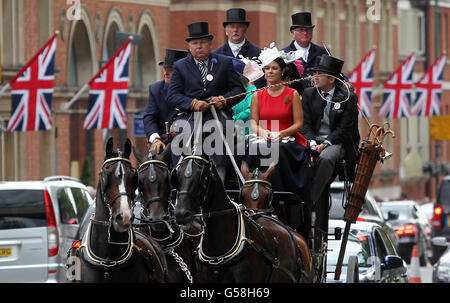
(276, 91)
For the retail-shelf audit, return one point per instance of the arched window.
(147, 56)
(114, 23)
(81, 63)
(81, 66)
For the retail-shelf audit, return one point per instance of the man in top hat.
(235, 29)
(330, 125)
(302, 32)
(238, 45)
(158, 110)
(204, 79)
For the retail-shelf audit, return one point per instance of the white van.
(38, 223)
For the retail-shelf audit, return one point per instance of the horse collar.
(235, 250)
(107, 262)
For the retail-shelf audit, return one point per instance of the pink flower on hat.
(299, 66)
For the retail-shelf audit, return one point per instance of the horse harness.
(106, 264)
(239, 247)
(168, 248)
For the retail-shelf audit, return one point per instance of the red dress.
(279, 109)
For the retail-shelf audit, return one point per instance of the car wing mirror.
(392, 262)
(392, 215)
(438, 247)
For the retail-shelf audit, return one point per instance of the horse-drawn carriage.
(211, 234)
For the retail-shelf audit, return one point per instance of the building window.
(146, 71)
(80, 69)
(411, 32)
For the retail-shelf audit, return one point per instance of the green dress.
(242, 109)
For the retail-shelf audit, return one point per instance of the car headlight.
(443, 272)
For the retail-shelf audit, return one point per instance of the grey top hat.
(301, 20)
(236, 15)
(172, 55)
(329, 65)
(198, 30)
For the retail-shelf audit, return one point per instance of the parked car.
(441, 219)
(441, 269)
(428, 210)
(370, 212)
(407, 220)
(38, 223)
(378, 260)
(424, 219)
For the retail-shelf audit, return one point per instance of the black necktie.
(203, 70)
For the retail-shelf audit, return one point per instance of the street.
(426, 272)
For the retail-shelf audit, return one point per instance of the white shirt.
(236, 48)
(305, 50)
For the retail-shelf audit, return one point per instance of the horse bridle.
(152, 178)
(204, 184)
(102, 176)
(255, 191)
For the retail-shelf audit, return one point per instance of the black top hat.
(198, 30)
(301, 20)
(236, 15)
(172, 55)
(329, 65)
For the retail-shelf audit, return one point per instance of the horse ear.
(138, 155)
(245, 172)
(127, 149)
(165, 155)
(268, 174)
(109, 147)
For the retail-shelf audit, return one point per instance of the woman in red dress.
(277, 116)
(280, 106)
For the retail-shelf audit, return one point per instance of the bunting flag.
(32, 91)
(361, 79)
(108, 92)
(398, 91)
(429, 90)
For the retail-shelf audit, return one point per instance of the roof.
(56, 181)
(36, 185)
(362, 226)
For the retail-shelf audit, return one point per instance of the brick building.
(349, 28)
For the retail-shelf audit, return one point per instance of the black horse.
(111, 251)
(157, 218)
(234, 247)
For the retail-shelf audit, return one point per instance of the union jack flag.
(32, 91)
(429, 90)
(108, 92)
(361, 79)
(398, 91)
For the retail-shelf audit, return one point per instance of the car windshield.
(356, 246)
(404, 211)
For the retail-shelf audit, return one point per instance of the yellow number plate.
(5, 252)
